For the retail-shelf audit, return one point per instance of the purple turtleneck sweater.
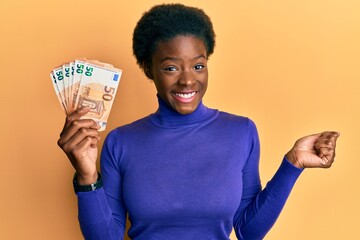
(183, 177)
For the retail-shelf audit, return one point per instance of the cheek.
(204, 80)
(161, 86)
(166, 82)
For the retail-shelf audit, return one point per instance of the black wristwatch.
(87, 188)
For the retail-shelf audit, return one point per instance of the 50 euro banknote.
(91, 84)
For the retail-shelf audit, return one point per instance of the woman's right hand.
(78, 140)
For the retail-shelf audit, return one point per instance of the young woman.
(186, 171)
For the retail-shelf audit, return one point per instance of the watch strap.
(87, 188)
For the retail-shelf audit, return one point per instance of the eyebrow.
(176, 59)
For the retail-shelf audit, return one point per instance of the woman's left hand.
(314, 151)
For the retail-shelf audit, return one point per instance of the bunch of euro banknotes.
(87, 83)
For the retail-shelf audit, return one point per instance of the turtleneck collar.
(166, 116)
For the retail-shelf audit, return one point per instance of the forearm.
(261, 214)
(95, 217)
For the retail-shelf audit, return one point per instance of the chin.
(186, 110)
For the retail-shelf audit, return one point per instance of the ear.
(147, 70)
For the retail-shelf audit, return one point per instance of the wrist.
(292, 158)
(87, 179)
(87, 187)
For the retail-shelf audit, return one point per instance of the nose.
(187, 78)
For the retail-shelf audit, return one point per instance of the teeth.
(185, 95)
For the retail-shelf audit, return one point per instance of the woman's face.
(179, 70)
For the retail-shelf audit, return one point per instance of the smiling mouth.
(185, 95)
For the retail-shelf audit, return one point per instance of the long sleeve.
(259, 209)
(101, 212)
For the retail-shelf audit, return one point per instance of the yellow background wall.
(291, 66)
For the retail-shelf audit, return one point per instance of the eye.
(170, 69)
(199, 66)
